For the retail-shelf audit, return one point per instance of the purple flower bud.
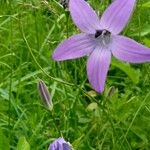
(44, 94)
(60, 144)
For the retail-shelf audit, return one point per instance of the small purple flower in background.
(60, 144)
(64, 3)
(100, 39)
(44, 93)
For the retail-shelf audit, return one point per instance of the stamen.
(102, 32)
(105, 32)
(103, 37)
(98, 33)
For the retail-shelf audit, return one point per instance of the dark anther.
(106, 32)
(98, 33)
(102, 32)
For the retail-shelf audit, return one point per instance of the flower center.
(103, 37)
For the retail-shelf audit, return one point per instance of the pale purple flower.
(60, 144)
(100, 40)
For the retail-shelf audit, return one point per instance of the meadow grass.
(114, 120)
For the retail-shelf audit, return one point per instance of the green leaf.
(146, 42)
(4, 142)
(147, 5)
(133, 74)
(23, 144)
(78, 141)
(56, 7)
(143, 32)
(4, 93)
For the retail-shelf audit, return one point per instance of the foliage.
(29, 32)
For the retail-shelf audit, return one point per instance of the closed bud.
(44, 94)
(111, 91)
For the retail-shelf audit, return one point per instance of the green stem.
(55, 79)
(11, 73)
(67, 22)
(10, 89)
(54, 121)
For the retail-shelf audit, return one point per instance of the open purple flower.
(100, 39)
(60, 144)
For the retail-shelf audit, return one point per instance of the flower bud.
(111, 91)
(44, 94)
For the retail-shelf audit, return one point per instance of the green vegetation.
(117, 120)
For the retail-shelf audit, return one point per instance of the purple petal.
(74, 47)
(129, 50)
(117, 15)
(97, 68)
(84, 16)
(66, 146)
(59, 144)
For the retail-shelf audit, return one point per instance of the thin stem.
(135, 115)
(10, 89)
(67, 22)
(11, 73)
(54, 121)
(55, 79)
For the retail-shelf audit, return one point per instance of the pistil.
(103, 37)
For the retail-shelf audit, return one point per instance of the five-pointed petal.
(97, 67)
(116, 16)
(84, 16)
(74, 47)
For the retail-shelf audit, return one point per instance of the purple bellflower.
(60, 144)
(100, 39)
